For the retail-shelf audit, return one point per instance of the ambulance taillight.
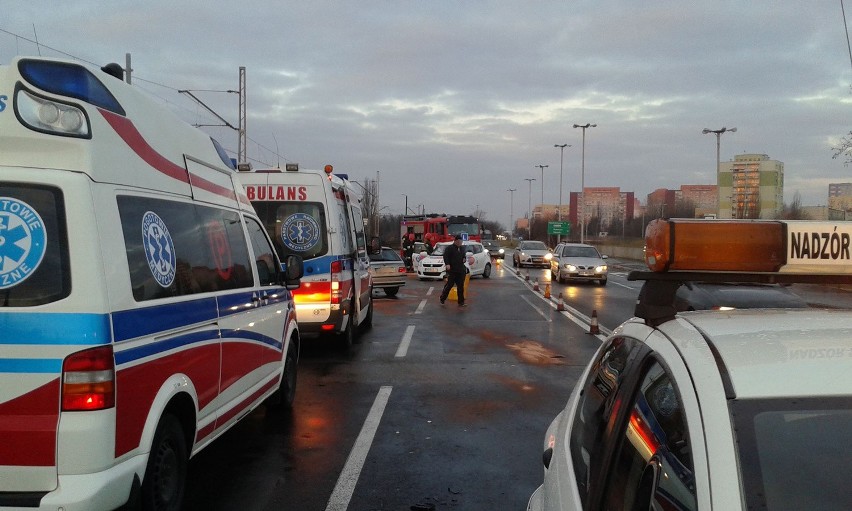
(88, 380)
(336, 270)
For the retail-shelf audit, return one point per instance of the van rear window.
(34, 263)
(295, 227)
(179, 248)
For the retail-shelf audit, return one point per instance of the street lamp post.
(559, 211)
(405, 212)
(529, 208)
(583, 180)
(511, 212)
(718, 144)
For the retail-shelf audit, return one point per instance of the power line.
(846, 29)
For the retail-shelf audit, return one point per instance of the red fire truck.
(433, 228)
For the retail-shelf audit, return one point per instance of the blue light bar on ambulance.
(69, 80)
(749, 246)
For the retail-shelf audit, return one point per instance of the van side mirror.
(293, 270)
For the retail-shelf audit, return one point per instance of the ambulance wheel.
(486, 272)
(368, 320)
(288, 379)
(165, 475)
(347, 336)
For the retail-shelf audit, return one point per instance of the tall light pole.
(542, 167)
(511, 212)
(718, 144)
(405, 212)
(529, 208)
(583, 180)
(559, 211)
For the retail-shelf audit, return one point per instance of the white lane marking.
(429, 291)
(571, 313)
(545, 316)
(406, 341)
(420, 307)
(345, 486)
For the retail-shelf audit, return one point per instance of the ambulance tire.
(347, 336)
(287, 391)
(165, 476)
(368, 320)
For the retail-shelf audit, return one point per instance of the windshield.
(386, 254)
(295, 227)
(533, 245)
(471, 229)
(439, 249)
(794, 452)
(580, 252)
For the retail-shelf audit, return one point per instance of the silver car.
(577, 261)
(532, 253)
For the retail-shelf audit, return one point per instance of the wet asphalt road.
(465, 408)
(436, 406)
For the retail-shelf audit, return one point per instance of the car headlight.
(570, 267)
(601, 269)
(548, 257)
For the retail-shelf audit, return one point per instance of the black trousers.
(454, 279)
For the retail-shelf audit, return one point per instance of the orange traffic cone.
(535, 285)
(547, 289)
(561, 305)
(594, 329)
(527, 276)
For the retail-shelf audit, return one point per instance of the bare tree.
(844, 150)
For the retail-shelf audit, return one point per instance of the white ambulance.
(317, 216)
(143, 309)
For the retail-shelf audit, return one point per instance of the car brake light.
(88, 380)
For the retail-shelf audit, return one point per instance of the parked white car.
(432, 266)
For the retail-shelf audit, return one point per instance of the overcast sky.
(454, 102)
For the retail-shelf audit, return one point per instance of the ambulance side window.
(360, 237)
(179, 248)
(264, 257)
(34, 261)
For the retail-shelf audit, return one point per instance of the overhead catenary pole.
(241, 156)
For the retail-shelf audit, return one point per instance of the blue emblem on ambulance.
(159, 249)
(23, 241)
(300, 232)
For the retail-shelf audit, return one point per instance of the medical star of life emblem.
(159, 249)
(300, 232)
(23, 241)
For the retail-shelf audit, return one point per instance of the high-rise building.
(840, 196)
(751, 186)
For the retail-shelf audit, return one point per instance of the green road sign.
(561, 228)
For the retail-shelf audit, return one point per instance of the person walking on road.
(454, 257)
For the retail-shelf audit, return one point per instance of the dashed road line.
(406, 341)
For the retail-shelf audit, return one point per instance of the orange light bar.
(715, 245)
(313, 292)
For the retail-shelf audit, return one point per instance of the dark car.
(494, 249)
(724, 296)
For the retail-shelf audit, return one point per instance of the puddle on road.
(532, 352)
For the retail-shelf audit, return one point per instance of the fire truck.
(433, 228)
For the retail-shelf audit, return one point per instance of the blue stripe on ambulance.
(54, 329)
(320, 265)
